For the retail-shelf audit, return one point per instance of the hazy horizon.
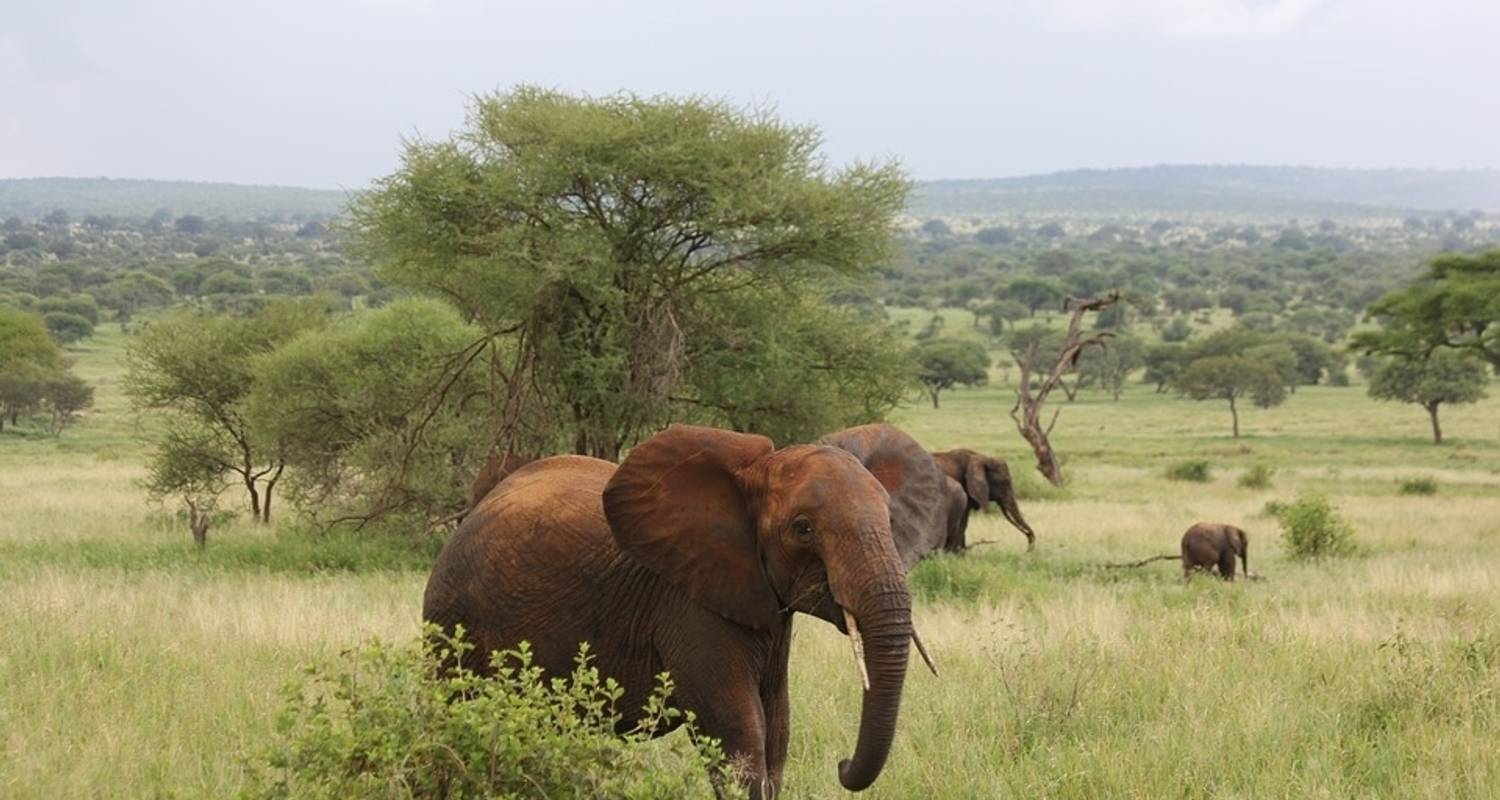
(320, 97)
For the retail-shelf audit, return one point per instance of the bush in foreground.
(1312, 528)
(1193, 471)
(385, 723)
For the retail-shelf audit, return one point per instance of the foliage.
(1418, 486)
(34, 377)
(1456, 304)
(1312, 528)
(1163, 363)
(795, 369)
(601, 235)
(1033, 293)
(67, 328)
(389, 723)
(1232, 378)
(945, 363)
(1195, 471)
(1257, 476)
(196, 371)
(1443, 377)
(1107, 367)
(371, 411)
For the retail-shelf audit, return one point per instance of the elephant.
(496, 469)
(920, 514)
(1208, 544)
(976, 480)
(691, 557)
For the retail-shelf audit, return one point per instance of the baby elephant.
(1207, 544)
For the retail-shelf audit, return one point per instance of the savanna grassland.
(134, 666)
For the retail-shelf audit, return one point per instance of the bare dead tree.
(1027, 411)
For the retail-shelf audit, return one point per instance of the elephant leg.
(717, 668)
(958, 527)
(1226, 564)
(778, 713)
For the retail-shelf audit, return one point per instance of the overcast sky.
(320, 92)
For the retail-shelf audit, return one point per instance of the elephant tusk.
(859, 648)
(921, 648)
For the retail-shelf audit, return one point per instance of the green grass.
(134, 666)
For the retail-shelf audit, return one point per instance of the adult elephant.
(691, 557)
(921, 512)
(980, 479)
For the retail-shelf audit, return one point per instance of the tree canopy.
(604, 236)
(945, 363)
(1456, 304)
(1445, 377)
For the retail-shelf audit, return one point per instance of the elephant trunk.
(883, 615)
(1006, 499)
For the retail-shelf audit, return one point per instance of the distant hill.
(1276, 192)
(80, 197)
(1216, 190)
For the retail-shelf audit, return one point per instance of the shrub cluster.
(386, 722)
(1256, 477)
(1312, 528)
(1418, 486)
(1194, 471)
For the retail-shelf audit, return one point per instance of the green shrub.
(1420, 486)
(1312, 528)
(386, 723)
(1195, 471)
(1256, 477)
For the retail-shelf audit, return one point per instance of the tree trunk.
(1028, 408)
(934, 393)
(1437, 430)
(254, 497)
(1235, 415)
(265, 510)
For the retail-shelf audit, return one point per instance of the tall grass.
(131, 666)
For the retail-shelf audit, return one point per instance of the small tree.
(1164, 362)
(1233, 378)
(1443, 377)
(66, 327)
(63, 396)
(945, 363)
(1107, 367)
(1027, 411)
(187, 465)
(197, 372)
(1033, 293)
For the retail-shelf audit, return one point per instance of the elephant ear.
(916, 485)
(679, 504)
(976, 481)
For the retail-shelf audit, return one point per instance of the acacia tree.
(1445, 376)
(1049, 372)
(196, 372)
(945, 363)
(1455, 305)
(1233, 378)
(599, 236)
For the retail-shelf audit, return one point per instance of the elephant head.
(985, 480)
(755, 533)
(1240, 541)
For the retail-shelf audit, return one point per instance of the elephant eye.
(803, 527)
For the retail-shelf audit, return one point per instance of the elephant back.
(917, 487)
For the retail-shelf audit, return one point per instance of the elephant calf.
(1209, 544)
